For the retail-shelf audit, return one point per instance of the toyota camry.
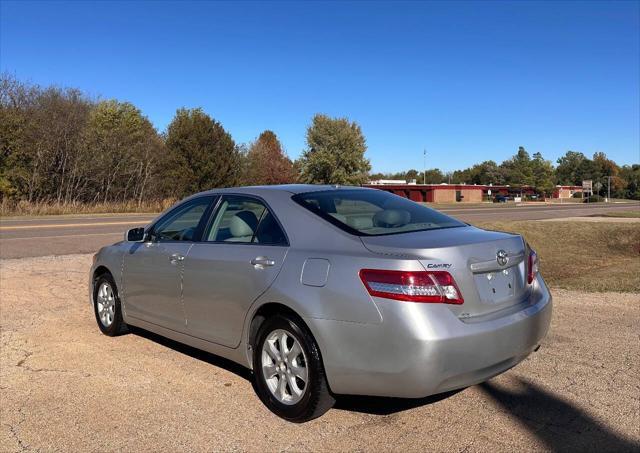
(327, 290)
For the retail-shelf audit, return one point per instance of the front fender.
(111, 259)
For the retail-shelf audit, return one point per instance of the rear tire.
(288, 371)
(107, 307)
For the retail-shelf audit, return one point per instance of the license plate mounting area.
(495, 287)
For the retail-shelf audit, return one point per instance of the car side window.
(269, 231)
(245, 220)
(182, 225)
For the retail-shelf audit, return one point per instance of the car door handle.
(262, 261)
(173, 259)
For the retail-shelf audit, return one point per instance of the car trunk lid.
(488, 266)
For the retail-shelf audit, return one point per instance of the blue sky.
(468, 81)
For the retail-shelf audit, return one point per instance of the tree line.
(58, 145)
(525, 170)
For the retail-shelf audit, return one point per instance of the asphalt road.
(66, 387)
(63, 235)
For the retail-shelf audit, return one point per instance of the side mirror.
(134, 235)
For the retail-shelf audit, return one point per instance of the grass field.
(24, 208)
(583, 256)
(624, 214)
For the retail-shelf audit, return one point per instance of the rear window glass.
(373, 212)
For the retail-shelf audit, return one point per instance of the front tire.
(288, 371)
(107, 307)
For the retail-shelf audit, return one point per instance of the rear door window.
(246, 220)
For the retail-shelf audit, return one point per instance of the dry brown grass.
(623, 214)
(23, 208)
(584, 256)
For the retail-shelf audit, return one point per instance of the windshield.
(373, 212)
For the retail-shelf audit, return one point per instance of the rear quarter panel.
(343, 297)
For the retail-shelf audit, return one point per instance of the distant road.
(533, 212)
(64, 235)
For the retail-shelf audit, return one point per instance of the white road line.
(63, 225)
(63, 218)
(30, 238)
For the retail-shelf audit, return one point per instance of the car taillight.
(418, 286)
(533, 266)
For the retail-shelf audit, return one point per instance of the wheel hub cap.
(106, 304)
(284, 367)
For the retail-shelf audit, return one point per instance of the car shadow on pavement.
(377, 405)
(555, 421)
(363, 404)
(199, 354)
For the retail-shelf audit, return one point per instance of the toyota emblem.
(502, 257)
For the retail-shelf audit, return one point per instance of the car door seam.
(122, 285)
(182, 267)
(251, 309)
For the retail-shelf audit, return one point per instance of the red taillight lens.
(533, 266)
(434, 287)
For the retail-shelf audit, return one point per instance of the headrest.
(243, 223)
(391, 218)
(360, 222)
(338, 217)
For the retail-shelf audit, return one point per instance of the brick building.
(450, 193)
(566, 191)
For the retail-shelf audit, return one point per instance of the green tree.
(543, 174)
(203, 154)
(605, 166)
(40, 141)
(586, 170)
(123, 153)
(431, 176)
(487, 172)
(518, 170)
(607, 171)
(630, 175)
(372, 176)
(57, 145)
(335, 152)
(266, 162)
(17, 104)
(61, 118)
(570, 168)
(462, 176)
(413, 174)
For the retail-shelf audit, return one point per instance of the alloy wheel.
(106, 304)
(284, 367)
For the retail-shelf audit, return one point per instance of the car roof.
(291, 188)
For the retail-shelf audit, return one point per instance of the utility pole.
(424, 166)
(609, 189)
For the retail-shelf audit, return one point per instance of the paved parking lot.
(64, 386)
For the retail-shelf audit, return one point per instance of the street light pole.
(424, 166)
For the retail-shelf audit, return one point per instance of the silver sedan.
(325, 290)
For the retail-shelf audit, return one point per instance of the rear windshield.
(373, 212)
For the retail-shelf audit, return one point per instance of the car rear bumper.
(424, 349)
